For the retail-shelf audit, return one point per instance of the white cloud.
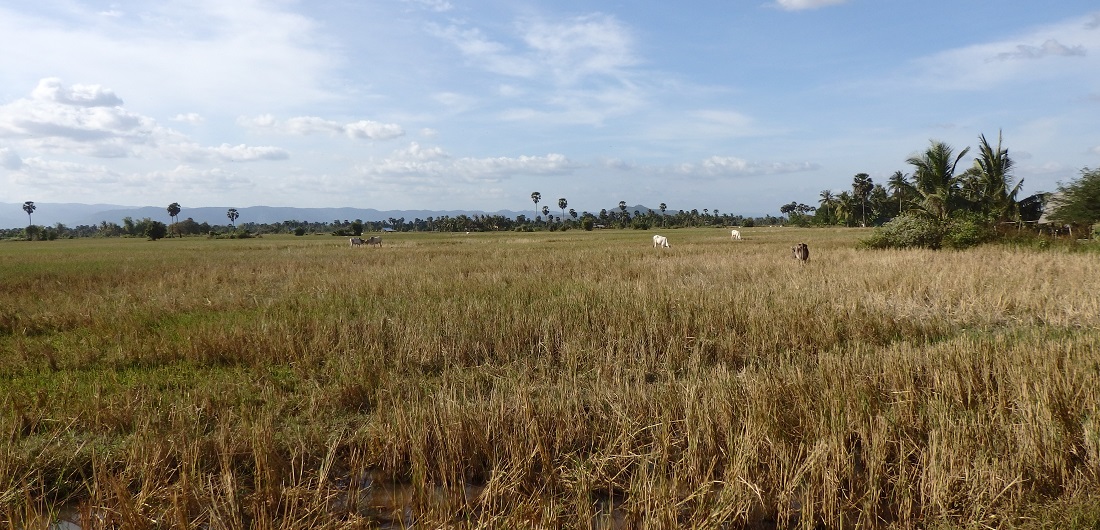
(9, 159)
(728, 166)
(799, 5)
(1040, 54)
(307, 125)
(51, 90)
(1050, 47)
(439, 6)
(58, 116)
(191, 117)
(192, 152)
(592, 45)
(88, 120)
(564, 52)
(433, 164)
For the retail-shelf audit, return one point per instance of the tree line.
(935, 204)
(622, 218)
(940, 203)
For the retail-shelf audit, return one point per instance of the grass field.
(550, 379)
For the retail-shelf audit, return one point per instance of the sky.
(739, 106)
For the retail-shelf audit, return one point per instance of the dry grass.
(547, 380)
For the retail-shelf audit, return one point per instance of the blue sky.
(740, 106)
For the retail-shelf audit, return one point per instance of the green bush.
(906, 231)
(968, 230)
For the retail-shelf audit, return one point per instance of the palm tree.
(844, 203)
(562, 203)
(861, 189)
(935, 184)
(573, 213)
(536, 197)
(29, 207)
(174, 210)
(899, 185)
(991, 179)
(546, 213)
(232, 214)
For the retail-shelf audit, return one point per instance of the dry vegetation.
(582, 380)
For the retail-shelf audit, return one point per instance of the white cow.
(660, 241)
(374, 240)
(735, 234)
(356, 241)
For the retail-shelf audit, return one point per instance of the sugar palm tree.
(546, 213)
(29, 207)
(935, 184)
(562, 203)
(536, 197)
(898, 184)
(861, 189)
(232, 214)
(173, 211)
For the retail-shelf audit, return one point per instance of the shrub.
(906, 231)
(968, 230)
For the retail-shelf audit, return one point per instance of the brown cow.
(801, 252)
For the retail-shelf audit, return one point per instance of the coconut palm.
(845, 203)
(990, 181)
(935, 185)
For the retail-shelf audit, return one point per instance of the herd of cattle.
(370, 241)
(800, 252)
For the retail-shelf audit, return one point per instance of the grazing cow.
(374, 240)
(660, 241)
(801, 252)
(356, 241)
(735, 234)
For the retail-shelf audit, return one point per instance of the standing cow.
(735, 234)
(374, 240)
(660, 241)
(801, 252)
(356, 241)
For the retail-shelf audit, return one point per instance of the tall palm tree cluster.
(935, 190)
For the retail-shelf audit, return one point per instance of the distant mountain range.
(73, 214)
